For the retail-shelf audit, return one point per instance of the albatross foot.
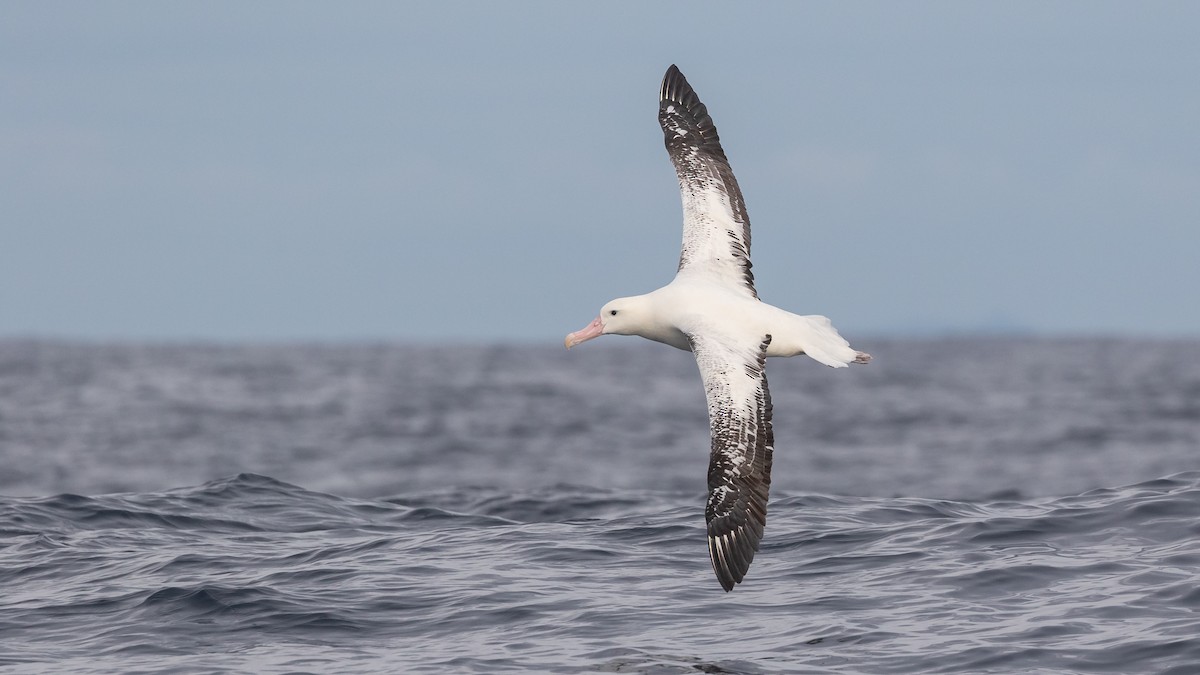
(862, 357)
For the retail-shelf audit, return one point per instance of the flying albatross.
(712, 310)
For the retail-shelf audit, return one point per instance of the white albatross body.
(692, 302)
(712, 309)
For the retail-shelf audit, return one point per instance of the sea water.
(962, 505)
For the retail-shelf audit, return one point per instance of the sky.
(495, 172)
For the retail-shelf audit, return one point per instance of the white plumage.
(712, 309)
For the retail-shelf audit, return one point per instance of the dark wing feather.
(716, 228)
(739, 469)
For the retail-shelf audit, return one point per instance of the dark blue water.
(958, 506)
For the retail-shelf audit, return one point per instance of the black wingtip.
(731, 554)
(675, 87)
(679, 107)
(725, 575)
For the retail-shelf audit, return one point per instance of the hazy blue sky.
(491, 170)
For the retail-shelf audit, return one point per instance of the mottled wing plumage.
(739, 469)
(716, 229)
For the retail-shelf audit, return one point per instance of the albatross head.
(623, 316)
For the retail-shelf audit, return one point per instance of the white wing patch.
(739, 470)
(716, 227)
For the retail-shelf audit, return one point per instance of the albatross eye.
(613, 313)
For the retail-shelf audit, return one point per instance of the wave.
(568, 578)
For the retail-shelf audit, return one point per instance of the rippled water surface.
(957, 506)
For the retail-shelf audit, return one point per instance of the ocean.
(960, 505)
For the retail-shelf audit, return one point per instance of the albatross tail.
(822, 342)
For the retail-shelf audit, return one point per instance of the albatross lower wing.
(739, 469)
(716, 229)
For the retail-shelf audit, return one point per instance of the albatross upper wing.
(739, 469)
(716, 229)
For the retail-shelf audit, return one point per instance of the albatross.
(712, 309)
